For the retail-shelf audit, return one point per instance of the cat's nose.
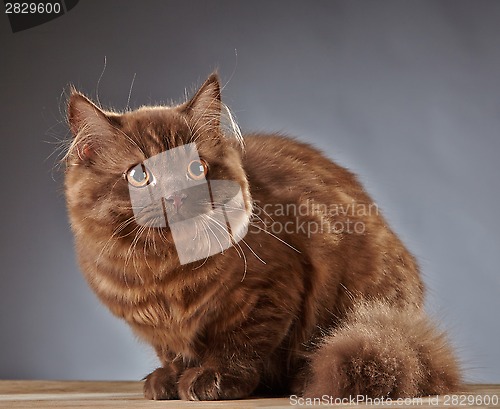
(176, 199)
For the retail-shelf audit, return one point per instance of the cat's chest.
(156, 311)
(149, 306)
(172, 324)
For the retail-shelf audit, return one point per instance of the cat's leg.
(383, 351)
(161, 384)
(214, 381)
(234, 360)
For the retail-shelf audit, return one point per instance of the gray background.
(405, 93)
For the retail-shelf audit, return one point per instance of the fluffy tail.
(384, 351)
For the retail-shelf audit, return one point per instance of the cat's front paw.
(161, 384)
(212, 384)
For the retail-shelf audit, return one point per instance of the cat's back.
(283, 163)
(278, 148)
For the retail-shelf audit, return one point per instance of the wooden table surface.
(75, 394)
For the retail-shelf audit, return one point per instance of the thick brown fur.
(382, 351)
(334, 311)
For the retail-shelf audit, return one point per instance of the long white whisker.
(207, 225)
(276, 237)
(219, 210)
(238, 248)
(130, 92)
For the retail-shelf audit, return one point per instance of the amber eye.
(197, 169)
(139, 176)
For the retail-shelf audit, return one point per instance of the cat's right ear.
(87, 123)
(204, 108)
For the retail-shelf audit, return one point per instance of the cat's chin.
(208, 234)
(239, 227)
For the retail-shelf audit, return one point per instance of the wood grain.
(86, 394)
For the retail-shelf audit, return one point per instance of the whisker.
(207, 225)
(276, 237)
(238, 248)
(130, 92)
(219, 210)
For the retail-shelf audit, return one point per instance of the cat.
(295, 283)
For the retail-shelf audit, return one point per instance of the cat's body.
(320, 297)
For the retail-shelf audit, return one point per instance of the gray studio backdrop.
(405, 93)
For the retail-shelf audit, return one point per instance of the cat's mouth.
(151, 216)
(176, 217)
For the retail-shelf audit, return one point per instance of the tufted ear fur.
(204, 108)
(88, 124)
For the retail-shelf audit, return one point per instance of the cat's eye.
(139, 176)
(197, 169)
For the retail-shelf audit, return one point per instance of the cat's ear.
(88, 123)
(204, 108)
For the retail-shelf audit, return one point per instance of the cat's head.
(167, 177)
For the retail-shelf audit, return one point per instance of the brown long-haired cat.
(251, 264)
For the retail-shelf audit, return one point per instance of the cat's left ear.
(205, 106)
(88, 124)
